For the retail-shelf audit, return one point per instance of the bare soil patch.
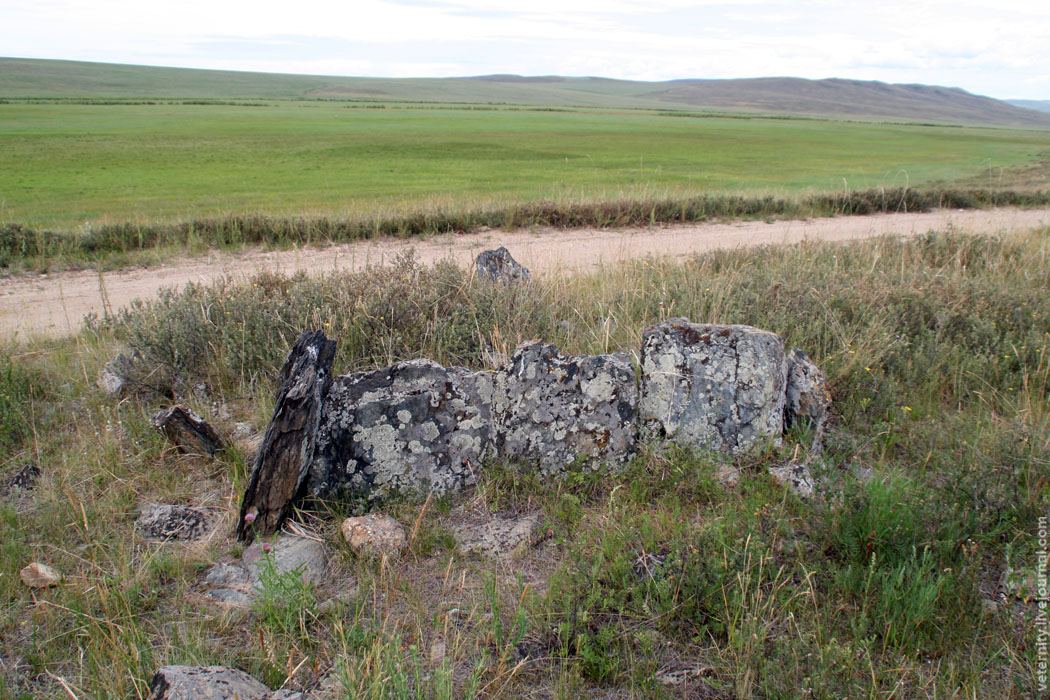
(55, 305)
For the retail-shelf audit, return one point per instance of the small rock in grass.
(286, 553)
(205, 683)
(165, 521)
(796, 477)
(728, 476)
(231, 597)
(498, 537)
(22, 480)
(375, 534)
(226, 575)
(38, 575)
(190, 433)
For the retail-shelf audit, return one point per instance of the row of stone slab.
(419, 427)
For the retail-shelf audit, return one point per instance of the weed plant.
(656, 581)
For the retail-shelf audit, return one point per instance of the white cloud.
(987, 47)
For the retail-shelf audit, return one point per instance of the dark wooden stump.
(287, 449)
(190, 433)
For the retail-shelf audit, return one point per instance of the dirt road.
(56, 304)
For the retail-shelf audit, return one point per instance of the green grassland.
(892, 584)
(66, 165)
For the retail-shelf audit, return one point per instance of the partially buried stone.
(374, 534)
(164, 521)
(712, 386)
(555, 410)
(497, 536)
(205, 683)
(22, 480)
(287, 553)
(414, 427)
(500, 266)
(38, 575)
(190, 433)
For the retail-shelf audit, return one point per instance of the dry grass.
(937, 353)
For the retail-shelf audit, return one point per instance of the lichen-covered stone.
(718, 387)
(165, 521)
(205, 683)
(796, 476)
(500, 266)
(807, 395)
(496, 536)
(414, 427)
(554, 410)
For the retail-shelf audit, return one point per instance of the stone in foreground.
(555, 410)
(190, 433)
(164, 521)
(415, 427)
(283, 460)
(375, 534)
(37, 575)
(496, 536)
(500, 266)
(717, 387)
(286, 553)
(205, 683)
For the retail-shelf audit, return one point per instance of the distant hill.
(834, 98)
(1039, 105)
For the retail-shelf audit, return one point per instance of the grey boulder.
(414, 427)
(500, 266)
(553, 410)
(205, 683)
(718, 387)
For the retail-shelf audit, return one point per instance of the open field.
(106, 179)
(907, 580)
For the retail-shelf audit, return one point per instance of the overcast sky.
(1001, 49)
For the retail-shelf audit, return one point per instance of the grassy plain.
(111, 184)
(65, 166)
(894, 584)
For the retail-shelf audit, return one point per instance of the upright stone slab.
(553, 409)
(413, 427)
(287, 449)
(712, 386)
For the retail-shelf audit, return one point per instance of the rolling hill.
(834, 98)
(1038, 105)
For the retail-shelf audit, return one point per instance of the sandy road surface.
(56, 304)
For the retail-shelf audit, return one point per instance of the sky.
(996, 48)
